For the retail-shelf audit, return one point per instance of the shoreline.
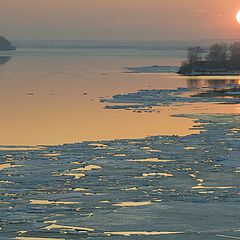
(210, 74)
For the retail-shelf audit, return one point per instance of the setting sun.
(238, 16)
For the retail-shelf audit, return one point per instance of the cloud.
(219, 15)
(201, 11)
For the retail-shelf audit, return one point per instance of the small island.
(219, 59)
(4, 59)
(6, 45)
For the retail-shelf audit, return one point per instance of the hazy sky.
(118, 19)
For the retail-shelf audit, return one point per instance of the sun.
(238, 16)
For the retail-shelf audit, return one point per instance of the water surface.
(52, 96)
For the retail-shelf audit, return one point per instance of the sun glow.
(238, 16)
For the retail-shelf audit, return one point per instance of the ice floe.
(152, 69)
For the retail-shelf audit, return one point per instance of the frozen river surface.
(165, 187)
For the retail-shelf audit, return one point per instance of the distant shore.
(199, 74)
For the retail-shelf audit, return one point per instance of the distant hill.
(4, 59)
(5, 45)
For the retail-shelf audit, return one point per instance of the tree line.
(219, 55)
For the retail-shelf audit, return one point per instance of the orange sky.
(119, 19)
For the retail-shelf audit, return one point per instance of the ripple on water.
(153, 160)
(48, 202)
(71, 228)
(132, 204)
(33, 238)
(146, 233)
(8, 165)
(145, 175)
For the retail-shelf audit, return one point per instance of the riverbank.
(213, 73)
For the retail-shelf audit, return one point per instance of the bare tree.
(218, 53)
(234, 55)
(220, 58)
(194, 55)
